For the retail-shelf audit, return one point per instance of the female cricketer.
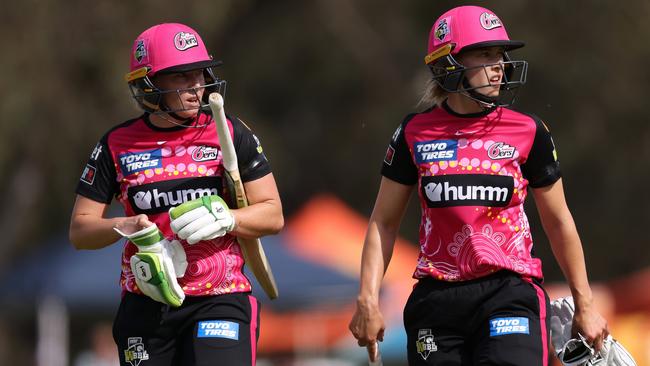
(186, 300)
(478, 299)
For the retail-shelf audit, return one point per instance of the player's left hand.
(593, 327)
(204, 218)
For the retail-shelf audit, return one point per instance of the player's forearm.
(89, 232)
(260, 219)
(568, 252)
(377, 252)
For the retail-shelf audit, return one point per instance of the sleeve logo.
(88, 175)
(96, 151)
(390, 153)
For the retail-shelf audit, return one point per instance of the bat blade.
(253, 251)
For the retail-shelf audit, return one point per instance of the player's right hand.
(157, 264)
(367, 324)
(203, 218)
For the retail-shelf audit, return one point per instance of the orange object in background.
(326, 231)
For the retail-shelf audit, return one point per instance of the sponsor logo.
(467, 190)
(185, 40)
(490, 21)
(501, 150)
(512, 325)
(88, 175)
(259, 145)
(161, 196)
(396, 134)
(135, 353)
(218, 329)
(136, 162)
(425, 344)
(140, 51)
(442, 30)
(203, 153)
(390, 153)
(143, 271)
(436, 150)
(96, 151)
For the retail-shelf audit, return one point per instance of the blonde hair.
(432, 95)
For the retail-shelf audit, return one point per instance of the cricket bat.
(373, 353)
(252, 248)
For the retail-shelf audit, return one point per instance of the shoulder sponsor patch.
(435, 150)
(88, 175)
(218, 329)
(132, 162)
(509, 325)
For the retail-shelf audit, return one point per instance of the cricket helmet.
(169, 48)
(465, 28)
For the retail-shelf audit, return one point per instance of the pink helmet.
(169, 48)
(464, 28)
(467, 27)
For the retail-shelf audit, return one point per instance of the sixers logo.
(501, 150)
(203, 153)
(490, 21)
(184, 40)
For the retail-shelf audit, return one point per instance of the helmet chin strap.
(165, 111)
(483, 100)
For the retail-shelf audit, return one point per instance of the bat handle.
(373, 353)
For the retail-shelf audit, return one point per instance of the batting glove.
(204, 218)
(157, 265)
(576, 351)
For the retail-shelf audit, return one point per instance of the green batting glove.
(157, 265)
(203, 218)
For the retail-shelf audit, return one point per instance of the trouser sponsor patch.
(218, 329)
(511, 325)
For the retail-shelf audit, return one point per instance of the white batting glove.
(157, 265)
(204, 218)
(575, 351)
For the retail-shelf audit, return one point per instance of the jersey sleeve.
(250, 155)
(98, 179)
(541, 167)
(398, 163)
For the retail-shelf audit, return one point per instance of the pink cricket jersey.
(472, 173)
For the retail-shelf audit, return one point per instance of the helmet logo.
(140, 51)
(442, 30)
(490, 21)
(184, 40)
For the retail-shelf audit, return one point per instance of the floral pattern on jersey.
(464, 241)
(214, 268)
